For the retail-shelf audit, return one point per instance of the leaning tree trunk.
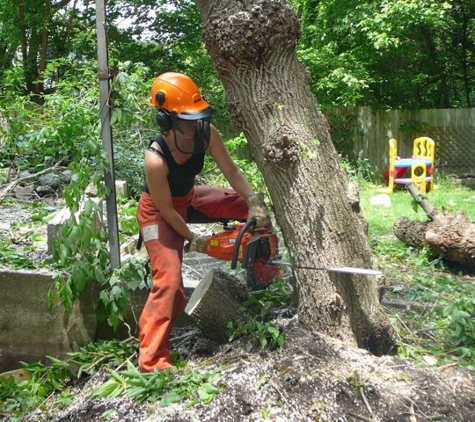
(253, 47)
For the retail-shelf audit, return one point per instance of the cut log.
(217, 300)
(451, 236)
(412, 233)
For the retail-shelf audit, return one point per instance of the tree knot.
(281, 148)
(247, 34)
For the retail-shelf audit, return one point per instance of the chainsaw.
(255, 248)
(258, 251)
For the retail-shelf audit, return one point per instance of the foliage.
(16, 257)
(259, 307)
(446, 329)
(17, 399)
(162, 386)
(239, 150)
(83, 258)
(66, 128)
(27, 239)
(388, 54)
(38, 137)
(133, 124)
(59, 377)
(359, 169)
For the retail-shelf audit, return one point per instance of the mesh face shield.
(192, 136)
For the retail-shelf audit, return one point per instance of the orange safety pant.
(165, 249)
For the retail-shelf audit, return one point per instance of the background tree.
(29, 24)
(253, 47)
(389, 54)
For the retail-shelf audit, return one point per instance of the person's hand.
(258, 210)
(197, 244)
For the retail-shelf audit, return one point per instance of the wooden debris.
(216, 301)
(452, 236)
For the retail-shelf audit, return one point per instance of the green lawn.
(381, 219)
(438, 323)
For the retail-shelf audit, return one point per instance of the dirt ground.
(311, 378)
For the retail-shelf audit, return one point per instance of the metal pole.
(106, 133)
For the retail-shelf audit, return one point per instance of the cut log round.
(216, 301)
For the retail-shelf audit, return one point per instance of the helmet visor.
(192, 136)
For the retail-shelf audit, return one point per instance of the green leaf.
(107, 389)
(169, 398)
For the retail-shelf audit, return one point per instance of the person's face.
(185, 135)
(186, 129)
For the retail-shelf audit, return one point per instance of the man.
(170, 196)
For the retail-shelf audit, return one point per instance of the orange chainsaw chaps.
(165, 249)
(167, 297)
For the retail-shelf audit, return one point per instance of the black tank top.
(181, 178)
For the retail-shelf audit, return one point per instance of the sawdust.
(312, 378)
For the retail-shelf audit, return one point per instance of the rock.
(23, 174)
(382, 199)
(44, 191)
(51, 180)
(66, 176)
(25, 193)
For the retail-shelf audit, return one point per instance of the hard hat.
(178, 95)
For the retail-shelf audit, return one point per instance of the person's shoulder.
(155, 162)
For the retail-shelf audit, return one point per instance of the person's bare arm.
(156, 172)
(227, 166)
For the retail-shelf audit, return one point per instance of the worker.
(170, 199)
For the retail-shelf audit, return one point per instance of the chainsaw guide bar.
(348, 270)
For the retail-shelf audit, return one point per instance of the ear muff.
(164, 120)
(163, 117)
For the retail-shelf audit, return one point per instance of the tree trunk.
(216, 301)
(253, 47)
(451, 236)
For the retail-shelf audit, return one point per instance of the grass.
(438, 326)
(446, 193)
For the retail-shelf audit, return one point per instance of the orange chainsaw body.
(255, 250)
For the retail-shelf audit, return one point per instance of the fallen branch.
(16, 182)
(366, 402)
(422, 201)
(360, 417)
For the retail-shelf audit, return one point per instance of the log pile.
(451, 236)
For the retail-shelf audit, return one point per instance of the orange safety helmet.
(179, 97)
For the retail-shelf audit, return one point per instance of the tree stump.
(216, 301)
(451, 236)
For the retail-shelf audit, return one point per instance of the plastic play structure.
(421, 165)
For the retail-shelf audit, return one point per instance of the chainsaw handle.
(251, 222)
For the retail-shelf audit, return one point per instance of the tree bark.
(451, 236)
(253, 47)
(216, 301)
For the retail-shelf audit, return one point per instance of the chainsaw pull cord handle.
(251, 222)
